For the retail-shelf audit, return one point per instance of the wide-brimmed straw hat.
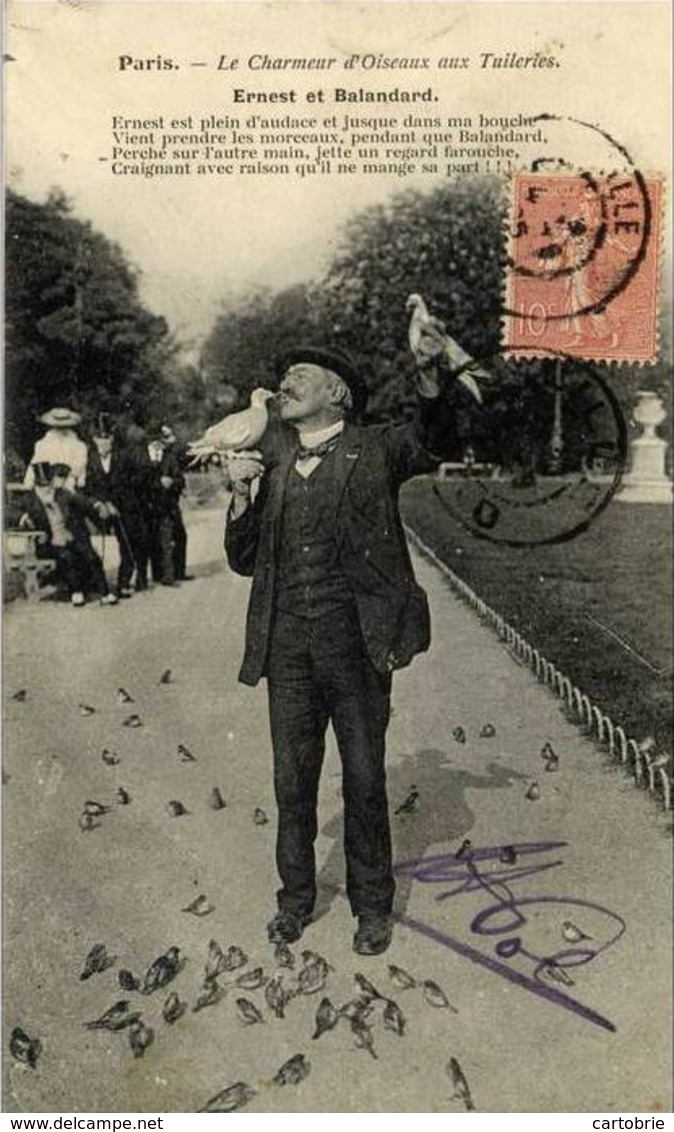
(60, 418)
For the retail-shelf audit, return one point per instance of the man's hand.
(242, 469)
(430, 349)
(166, 481)
(432, 343)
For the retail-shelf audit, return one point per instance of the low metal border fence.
(648, 767)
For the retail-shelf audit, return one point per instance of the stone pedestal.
(646, 481)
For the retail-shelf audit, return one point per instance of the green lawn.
(599, 606)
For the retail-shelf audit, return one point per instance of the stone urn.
(649, 412)
(646, 481)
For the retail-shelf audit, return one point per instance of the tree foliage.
(77, 332)
(446, 244)
(238, 354)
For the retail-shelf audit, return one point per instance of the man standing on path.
(334, 610)
(168, 483)
(119, 473)
(176, 452)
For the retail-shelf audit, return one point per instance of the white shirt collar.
(321, 435)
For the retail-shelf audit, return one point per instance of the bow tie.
(319, 450)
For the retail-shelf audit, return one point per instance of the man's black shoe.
(286, 927)
(373, 935)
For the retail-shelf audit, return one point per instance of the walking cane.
(103, 548)
(105, 577)
(120, 528)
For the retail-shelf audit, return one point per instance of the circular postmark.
(561, 222)
(583, 218)
(547, 451)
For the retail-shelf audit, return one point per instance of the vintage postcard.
(337, 559)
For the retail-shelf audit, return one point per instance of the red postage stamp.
(583, 266)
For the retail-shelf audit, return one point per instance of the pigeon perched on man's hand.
(422, 325)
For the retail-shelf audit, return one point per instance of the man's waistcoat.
(310, 581)
(366, 471)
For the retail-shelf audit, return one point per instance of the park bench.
(24, 571)
(20, 553)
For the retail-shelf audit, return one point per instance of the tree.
(77, 332)
(447, 244)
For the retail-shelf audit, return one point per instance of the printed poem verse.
(285, 144)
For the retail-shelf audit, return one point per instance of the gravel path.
(589, 850)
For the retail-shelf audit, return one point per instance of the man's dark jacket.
(369, 465)
(133, 483)
(128, 484)
(166, 500)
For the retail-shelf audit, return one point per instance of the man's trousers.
(318, 672)
(133, 533)
(79, 568)
(179, 545)
(169, 546)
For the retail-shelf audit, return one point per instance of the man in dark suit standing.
(167, 485)
(120, 475)
(175, 455)
(334, 610)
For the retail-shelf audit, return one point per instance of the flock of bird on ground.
(229, 970)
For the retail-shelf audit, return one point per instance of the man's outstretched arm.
(242, 530)
(419, 446)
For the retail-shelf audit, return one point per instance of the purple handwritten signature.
(504, 920)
